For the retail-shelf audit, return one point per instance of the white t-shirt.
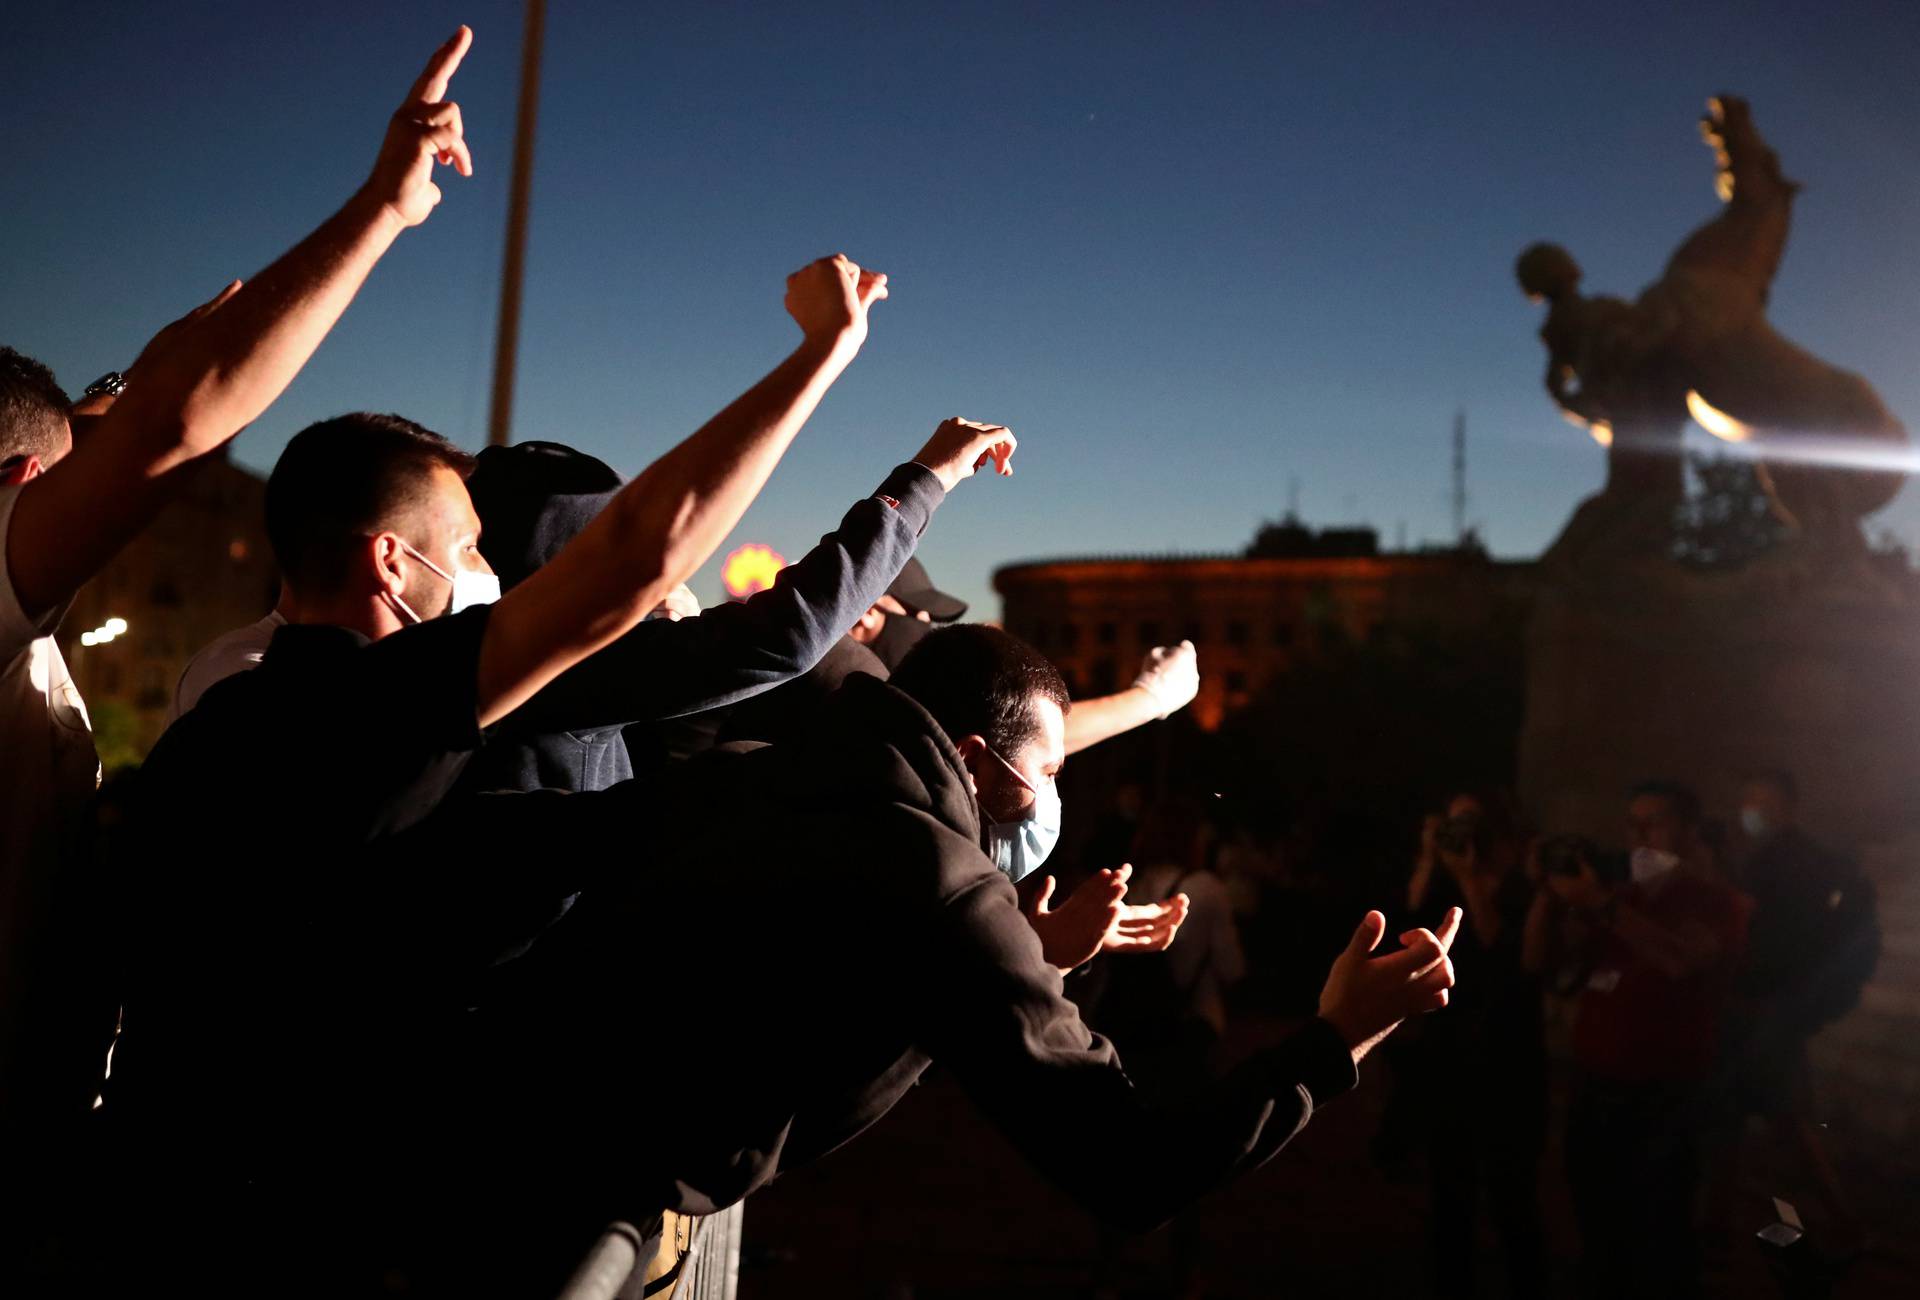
(233, 652)
(48, 776)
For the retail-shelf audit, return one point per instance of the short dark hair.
(33, 409)
(980, 681)
(1680, 798)
(347, 478)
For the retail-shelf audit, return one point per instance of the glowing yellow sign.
(751, 568)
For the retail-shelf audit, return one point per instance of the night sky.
(1192, 254)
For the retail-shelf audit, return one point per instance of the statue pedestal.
(1645, 669)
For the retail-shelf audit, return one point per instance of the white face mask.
(1650, 864)
(1018, 848)
(470, 586)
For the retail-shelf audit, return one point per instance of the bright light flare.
(1602, 431)
(1887, 454)
(106, 632)
(751, 568)
(1716, 421)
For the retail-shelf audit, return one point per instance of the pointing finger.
(432, 85)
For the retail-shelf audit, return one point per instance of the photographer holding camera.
(1478, 1084)
(1653, 955)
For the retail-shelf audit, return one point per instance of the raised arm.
(1169, 679)
(205, 378)
(665, 668)
(666, 522)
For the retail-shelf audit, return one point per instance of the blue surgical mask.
(470, 586)
(1018, 848)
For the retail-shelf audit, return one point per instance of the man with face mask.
(338, 971)
(1658, 954)
(1812, 947)
(1168, 680)
(76, 485)
(856, 881)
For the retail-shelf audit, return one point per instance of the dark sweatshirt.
(569, 736)
(833, 895)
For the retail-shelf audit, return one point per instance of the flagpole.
(506, 347)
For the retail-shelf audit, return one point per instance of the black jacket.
(833, 894)
(568, 737)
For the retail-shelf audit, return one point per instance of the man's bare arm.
(1168, 681)
(666, 522)
(204, 379)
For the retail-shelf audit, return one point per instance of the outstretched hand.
(424, 130)
(1148, 927)
(960, 447)
(1075, 933)
(1366, 996)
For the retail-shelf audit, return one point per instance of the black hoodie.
(535, 497)
(833, 895)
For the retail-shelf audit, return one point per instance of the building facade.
(1295, 593)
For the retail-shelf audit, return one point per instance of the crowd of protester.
(431, 859)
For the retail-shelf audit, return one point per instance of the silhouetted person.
(1813, 943)
(1480, 1082)
(1658, 952)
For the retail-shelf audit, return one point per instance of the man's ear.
(381, 555)
(18, 469)
(973, 752)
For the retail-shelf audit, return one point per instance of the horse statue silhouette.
(1696, 343)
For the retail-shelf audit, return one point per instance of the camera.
(1457, 834)
(1563, 855)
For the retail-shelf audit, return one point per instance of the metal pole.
(506, 345)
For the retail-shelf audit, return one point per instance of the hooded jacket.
(834, 896)
(535, 497)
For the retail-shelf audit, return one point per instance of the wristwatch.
(111, 384)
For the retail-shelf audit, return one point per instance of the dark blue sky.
(1189, 252)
